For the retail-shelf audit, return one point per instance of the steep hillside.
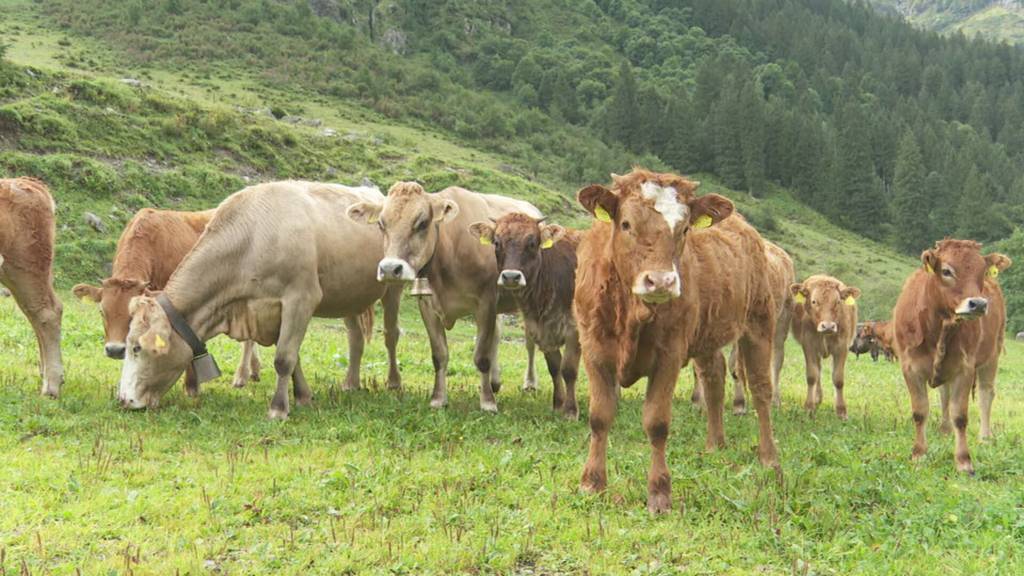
(993, 19)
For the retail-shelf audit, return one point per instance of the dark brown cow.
(149, 250)
(873, 338)
(824, 321)
(537, 265)
(949, 325)
(27, 232)
(650, 297)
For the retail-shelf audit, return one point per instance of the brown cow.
(148, 252)
(27, 232)
(427, 236)
(650, 296)
(824, 321)
(537, 263)
(781, 274)
(874, 338)
(949, 325)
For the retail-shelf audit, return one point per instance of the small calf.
(537, 266)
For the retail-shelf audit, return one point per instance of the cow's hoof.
(659, 503)
(304, 402)
(966, 468)
(841, 414)
(50, 392)
(571, 414)
(946, 427)
(768, 458)
(192, 392)
(394, 384)
(917, 454)
(255, 376)
(593, 483)
(495, 386)
(529, 385)
(985, 436)
(239, 382)
(438, 403)
(489, 406)
(276, 414)
(739, 409)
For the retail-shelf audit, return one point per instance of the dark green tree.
(910, 204)
(622, 107)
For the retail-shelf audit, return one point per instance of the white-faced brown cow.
(650, 296)
(149, 250)
(537, 265)
(949, 324)
(274, 256)
(824, 322)
(27, 231)
(427, 236)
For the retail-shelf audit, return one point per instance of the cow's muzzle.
(972, 308)
(395, 270)
(131, 403)
(114, 350)
(827, 327)
(657, 287)
(511, 279)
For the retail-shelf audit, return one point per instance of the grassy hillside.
(1000, 20)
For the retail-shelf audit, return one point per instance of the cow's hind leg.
(570, 370)
(553, 359)
(711, 374)
(495, 374)
(697, 396)
(356, 345)
(392, 299)
(782, 324)
(37, 300)
(294, 321)
(739, 378)
(438, 350)
(756, 357)
(300, 387)
(657, 418)
(244, 371)
(986, 393)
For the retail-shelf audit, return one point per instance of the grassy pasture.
(376, 482)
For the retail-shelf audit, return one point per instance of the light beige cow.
(27, 232)
(428, 236)
(274, 256)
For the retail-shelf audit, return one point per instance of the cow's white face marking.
(127, 388)
(666, 203)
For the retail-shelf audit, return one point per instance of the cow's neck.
(204, 290)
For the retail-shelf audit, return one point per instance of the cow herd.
(662, 278)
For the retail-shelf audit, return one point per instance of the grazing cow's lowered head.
(409, 219)
(650, 215)
(822, 298)
(155, 357)
(113, 298)
(864, 339)
(518, 240)
(957, 273)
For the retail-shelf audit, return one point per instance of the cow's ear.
(997, 261)
(599, 201)
(849, 294)
(484, 231)
(709, 210)
(445, 210)
(365, 212)
(799, 293)
(87, 293)
(549, 234)
(930, 261)
(157, 339)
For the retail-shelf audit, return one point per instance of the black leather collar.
(181, 326)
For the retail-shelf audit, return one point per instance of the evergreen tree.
(910, 199)
(621, 118)
(979, 217)
(858, 202)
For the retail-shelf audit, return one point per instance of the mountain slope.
(993, 19)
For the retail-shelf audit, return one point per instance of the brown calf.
(149, 250)
(27, 232)
(949, 325)
(537, 265)
(824, 321)
(650, 296)
(874, 338)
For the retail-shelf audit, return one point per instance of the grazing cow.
(781, 275)
(293, 255)
(874, 338)
(949, 325)
(427, 236)
(537, 263)
(650, 296)
(824, 320)
(27, 231)
(149, 250)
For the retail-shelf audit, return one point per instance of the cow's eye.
(136, 349)
(814, 302)
(625, 226)
(422, 225)
(947, 272)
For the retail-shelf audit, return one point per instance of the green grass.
(376, 482)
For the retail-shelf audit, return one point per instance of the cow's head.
(864, 339)
(113, 298)
(409, 219)
(957, 271)
(650, 215)
(518, 242)
(155, 357)
(822, 299)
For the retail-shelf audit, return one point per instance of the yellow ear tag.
(993, 271)
(160, 343)
(372, 219)
(547, 244)
(485, 240)
(601, 214)
(850, 301)
(88, 299)
(928, 268)
(799, 298)
(704, 221)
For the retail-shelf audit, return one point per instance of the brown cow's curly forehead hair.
(405, 189)
(630, 183)
(957, 245)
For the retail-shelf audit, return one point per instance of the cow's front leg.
(485, 355)
(604, 400)
(917, 387)
(570, 371)
(657, 420)
(244, 371)
(711, 374)
(838, 381)
(530, 379)
(812, 364)
(392, 299)
(294, 321)
(432, 321)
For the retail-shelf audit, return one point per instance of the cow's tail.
(365, 320)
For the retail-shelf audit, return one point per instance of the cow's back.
(27, 227)
(155, 241)
(781, 274)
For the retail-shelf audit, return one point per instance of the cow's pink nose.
(827, 327)
(660, 281)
